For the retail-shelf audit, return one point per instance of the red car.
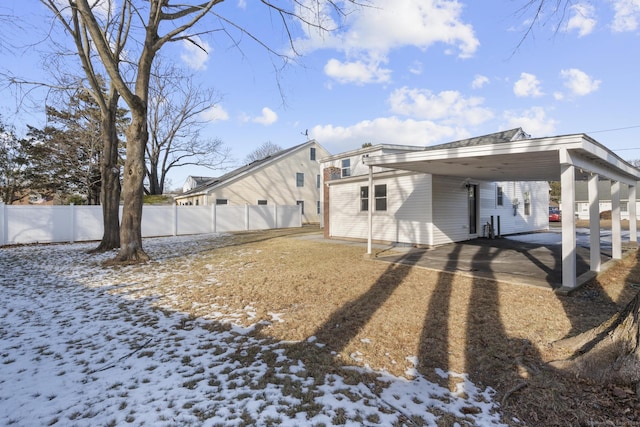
(554, 215)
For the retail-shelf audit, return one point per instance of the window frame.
(364, 198)
(312, 153)
(345, 170)
(222, 202)
(300, 179)
(262, 202)
(499, 196)
(380, 201)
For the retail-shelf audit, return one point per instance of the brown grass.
(379, 314)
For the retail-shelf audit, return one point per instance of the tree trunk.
(133, 190)
(154, 183)
(608, 353)
(110, 188)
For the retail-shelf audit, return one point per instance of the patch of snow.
(85, 345)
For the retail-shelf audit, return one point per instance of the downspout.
(370, 210)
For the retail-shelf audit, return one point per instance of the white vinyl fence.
(53, 224)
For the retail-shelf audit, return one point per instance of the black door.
(473, 208)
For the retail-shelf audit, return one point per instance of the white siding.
(450, 210)
(411, 217)
(406, 220)
(513, 220)
(276, 183)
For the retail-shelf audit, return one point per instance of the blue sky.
(416, 72)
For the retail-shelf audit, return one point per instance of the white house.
(289, 177)
(425, 208)
(605, 203)
(195, 181)
(417, 198)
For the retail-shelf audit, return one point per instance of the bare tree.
(159, 22)
(264, 150)
(176, 107)
(107, 97)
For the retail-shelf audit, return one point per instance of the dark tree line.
(60, 160)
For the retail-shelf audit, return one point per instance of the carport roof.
(503, 156)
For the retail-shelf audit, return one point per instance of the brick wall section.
(327, 175)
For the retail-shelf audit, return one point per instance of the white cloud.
(449, 106)
(194, 56)
(528, 85)
(356, 72)
(242, 4)
(416, 68)
(579, 82)
(385, 130)
(215, 114)
(369, 34)
(582, 19)
(479, 81)
(267, 118)
(533, 121)
(627, 15)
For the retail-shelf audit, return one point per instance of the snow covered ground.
(554, 237)
(73, 351)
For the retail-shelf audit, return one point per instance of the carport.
(566, 158)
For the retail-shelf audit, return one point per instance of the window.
(318, 207)
(299, 179)
(346, 167)
(222, 201)
(197, 202)
(262, 202)
(364, 199)
(499, 196)
(380, 194)
(301, 204)
(380, 197)
(312, 153)
(318, 181)
(624, 206)
(527, 203)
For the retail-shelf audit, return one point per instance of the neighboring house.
(604, 192)
(288, 177)
(195, 181)
(35, 198)
(423, 208)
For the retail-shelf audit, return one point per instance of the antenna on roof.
(305, 133)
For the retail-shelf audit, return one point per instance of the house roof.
(492, 138)
(510, 156)
(604, 191)
(370, 149)
(199, 180)
(257, 164)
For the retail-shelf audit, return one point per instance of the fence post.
(214, 213)
(275, 216)
(4, 226)
(72, 217)
(175, 219)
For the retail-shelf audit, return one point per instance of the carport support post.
(568, 196)
(633, 229)
(594, 222)
(370, 211)
(616, 229)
